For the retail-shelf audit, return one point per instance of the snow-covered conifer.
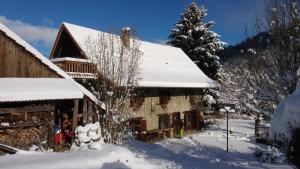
(195, 38)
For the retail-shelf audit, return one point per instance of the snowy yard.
(205, 150)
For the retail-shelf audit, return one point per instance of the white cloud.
(32, 33)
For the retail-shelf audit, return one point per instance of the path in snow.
(207, 150)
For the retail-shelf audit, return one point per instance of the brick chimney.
(126, 37)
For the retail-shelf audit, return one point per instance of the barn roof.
(72, 83)
(162, 66)
(37, 89)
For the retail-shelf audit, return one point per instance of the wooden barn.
(37, 98)
(170, 88)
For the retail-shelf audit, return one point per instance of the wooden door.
(190, 120)
(186, 121)
(176, 122)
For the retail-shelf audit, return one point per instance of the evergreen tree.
(195, 38)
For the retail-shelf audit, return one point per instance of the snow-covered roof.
(70, 59)
(162, 65)
(36, 89)
(48, 63)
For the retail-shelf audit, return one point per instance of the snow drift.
(286, 117)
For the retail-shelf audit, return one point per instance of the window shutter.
(198, 118)
(186, 126)
(168, 121)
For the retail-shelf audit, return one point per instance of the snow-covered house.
(35, 93)
(171, 83)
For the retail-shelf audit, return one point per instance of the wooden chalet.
(170, 88)
(37, 98)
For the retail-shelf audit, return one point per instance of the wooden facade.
(26, 122)
(15, 61)
(79, 67)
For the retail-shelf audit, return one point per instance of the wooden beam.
(85, 118)
(22, 125)
(8, 149)
(29, 109)
(3, 113)
(50, 130)
(75, 115)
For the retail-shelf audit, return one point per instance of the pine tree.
(195, 38)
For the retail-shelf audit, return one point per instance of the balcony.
(77, 68)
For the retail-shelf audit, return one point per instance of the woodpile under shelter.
(37, 98)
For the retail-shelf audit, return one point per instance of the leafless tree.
(117, 76)
(270, 76)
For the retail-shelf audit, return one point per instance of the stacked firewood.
(20, 131)
(23, 138)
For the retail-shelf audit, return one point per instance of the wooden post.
(256, 126)
(50, 130)
(227, 148)
(75, 115)
(85, 118)
(97, 116)
(25, 116)
(90, 112)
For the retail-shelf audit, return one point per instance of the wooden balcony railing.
(78, 69)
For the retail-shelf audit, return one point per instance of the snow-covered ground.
(205, 150)
(109, 157)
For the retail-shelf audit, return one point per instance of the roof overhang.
(37, 89)
(161, 84)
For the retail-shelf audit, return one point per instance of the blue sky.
(37, 21)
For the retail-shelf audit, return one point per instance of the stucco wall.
(181, 100)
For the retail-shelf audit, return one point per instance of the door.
(176, 122)
(190, 120)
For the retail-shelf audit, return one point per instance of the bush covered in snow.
(286, 126)
(286, 118)
(271, 155)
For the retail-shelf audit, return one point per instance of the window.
(164, 121)
(137, 102)
(164, 98)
